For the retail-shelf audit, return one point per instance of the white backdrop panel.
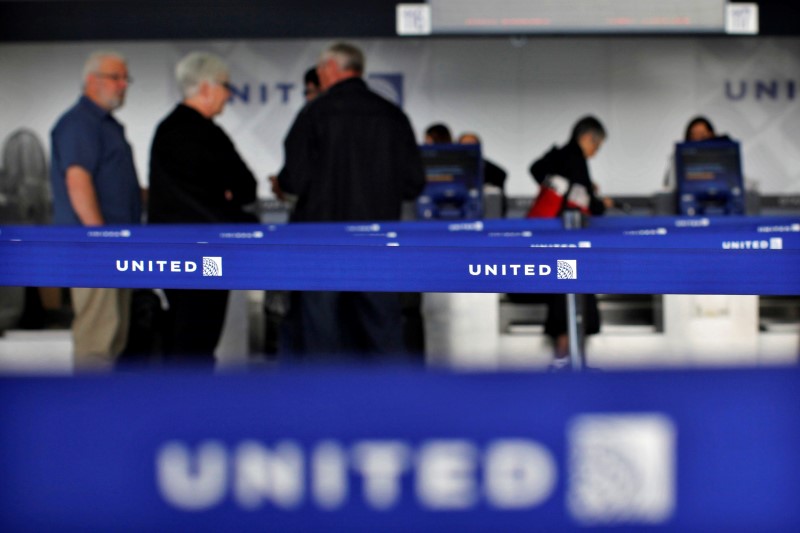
(520, 95)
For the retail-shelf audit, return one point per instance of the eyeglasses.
(116, 78)
(226, 85)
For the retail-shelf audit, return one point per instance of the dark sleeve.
(294, 177)
(596, 206)
(493, 175)
(576, 168)
(188, 158)
(412, 172)
(537, 171)
(544, 166)
(193, 163)
(77, 142)
(240, 180)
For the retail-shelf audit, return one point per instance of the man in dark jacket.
(350, 155)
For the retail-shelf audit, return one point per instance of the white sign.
(741, 19)
(413, 19)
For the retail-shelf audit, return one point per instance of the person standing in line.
(197, 176)
(276, 303)
(350, 155)
(564, 169)
(311, 89)
(94, 183)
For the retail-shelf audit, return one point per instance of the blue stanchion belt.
(741, 256)
(317, 232)
(730, 237)
(402, 451)
(391, 448)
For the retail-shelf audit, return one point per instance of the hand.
(276, 187)
(608, 203)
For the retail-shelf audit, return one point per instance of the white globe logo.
(212, 266)
(565, 271)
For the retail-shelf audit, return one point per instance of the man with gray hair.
(197, 176)
(349, 156)
(94, 183)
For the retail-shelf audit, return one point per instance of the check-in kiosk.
(709, 178)
(709, 182)
(454, 191)
(454, 182)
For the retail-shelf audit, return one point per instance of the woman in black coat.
(564, 172)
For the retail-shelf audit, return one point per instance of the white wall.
(520, 95)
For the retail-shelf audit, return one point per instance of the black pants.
(196, 318)
(344, 325)
(556, 323)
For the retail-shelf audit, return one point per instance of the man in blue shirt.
(94, 183)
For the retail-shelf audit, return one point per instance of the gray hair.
(347, 56)
(196, 68)
(95, 59)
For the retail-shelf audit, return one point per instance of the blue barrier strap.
(401, 268)
(687, 222)
(396, 450)
(318, 232)
(751, 236)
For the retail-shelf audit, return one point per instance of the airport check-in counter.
(480, 329)
(472, 330)
(709, 328)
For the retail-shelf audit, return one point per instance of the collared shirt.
(90, 137)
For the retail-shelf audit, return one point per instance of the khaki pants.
(100, 326)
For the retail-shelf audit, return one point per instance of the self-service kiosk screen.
(458, 164)
(708, 164)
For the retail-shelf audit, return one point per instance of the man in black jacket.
(350, 155)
